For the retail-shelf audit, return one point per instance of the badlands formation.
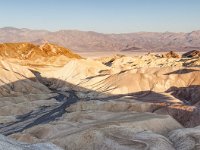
(51, 98)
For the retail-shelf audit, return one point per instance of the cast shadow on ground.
(45, 114)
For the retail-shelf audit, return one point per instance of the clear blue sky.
(108, 16)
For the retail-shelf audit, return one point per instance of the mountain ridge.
(90, 41)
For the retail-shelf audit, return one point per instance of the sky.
(106, 16)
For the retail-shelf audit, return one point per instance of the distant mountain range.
(82, 41)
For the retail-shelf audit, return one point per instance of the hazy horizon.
(95, 31)
(103, 16)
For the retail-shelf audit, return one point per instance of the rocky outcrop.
(171, 54)
(192, 54)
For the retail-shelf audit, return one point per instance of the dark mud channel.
(41, 116)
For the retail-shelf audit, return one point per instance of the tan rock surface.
(97, 129)
(116, 102)
(186, 139)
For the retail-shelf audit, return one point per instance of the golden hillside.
(28, 54)
(30, 51)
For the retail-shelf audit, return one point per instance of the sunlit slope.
(30, 54)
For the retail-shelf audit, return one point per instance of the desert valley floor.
(53, 99)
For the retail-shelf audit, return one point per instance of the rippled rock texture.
(140, 102)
